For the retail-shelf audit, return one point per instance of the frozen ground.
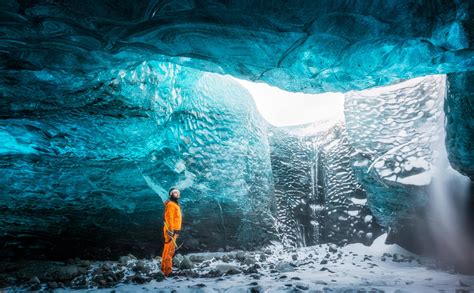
(325, 268)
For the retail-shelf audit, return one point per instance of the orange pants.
(167, 256)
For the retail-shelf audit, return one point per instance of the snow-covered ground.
(324, 268)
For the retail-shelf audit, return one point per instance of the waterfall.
(449, 210)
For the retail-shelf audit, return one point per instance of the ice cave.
(318, 146)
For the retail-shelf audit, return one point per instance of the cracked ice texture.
(83, 115)
(56, 50)
(396, 133)
(459, 109)
(85, 179)
(310, 46)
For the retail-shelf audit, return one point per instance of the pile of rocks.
(83, 274)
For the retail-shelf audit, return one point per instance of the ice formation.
(107, 104)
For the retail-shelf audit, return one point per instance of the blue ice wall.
(56, 49)
(397, 133)
(318, 197)
(84, 180)
(98, 116)
(459, 109)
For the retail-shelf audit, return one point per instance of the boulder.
(284, 267)
(186, 264)
(224, 269)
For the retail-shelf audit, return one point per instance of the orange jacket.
(173, 216)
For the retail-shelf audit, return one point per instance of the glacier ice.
(97, 170)
(106, 105)
(459, 106)
(101, 169)
(308, 46)
(395, 131)
(317, 196)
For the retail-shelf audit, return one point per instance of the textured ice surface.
(317, 196)
(96, 123)
(310, 46)
(98, 162)
(459, 109)
(395, 132)
(96, 169)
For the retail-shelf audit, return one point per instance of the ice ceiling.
(105, 104)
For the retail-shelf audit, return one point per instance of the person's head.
(174, 193)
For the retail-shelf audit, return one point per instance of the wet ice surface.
(325, 268)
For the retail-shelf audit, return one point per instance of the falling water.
(448, 210)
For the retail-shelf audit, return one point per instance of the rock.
(262, 257)
(102, 283)
(141, 267)
(284, 267)
(225, 258)
(294, 257)
(197, 258)
(158, 276)
(35, 287)
(320, 283)
(65, 273)
(332, 248)
(186, 264)
(253, 269)
(107, 266)
(198, 286)
(296, 278)
(35, 284)
(52, 285)
(85, 263)
(124, 259)
(323, 262)
(137, 279)
(191, 274)
(227, 269)
(240, 256)
(302, 286)
(326, 269)
(256, 289)
(34, 280)
(118, 276)
(249, 260)
(78, 283)
(177, 259)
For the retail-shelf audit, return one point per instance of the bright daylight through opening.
(281, 108)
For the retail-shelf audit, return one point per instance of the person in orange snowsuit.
(171, 229)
